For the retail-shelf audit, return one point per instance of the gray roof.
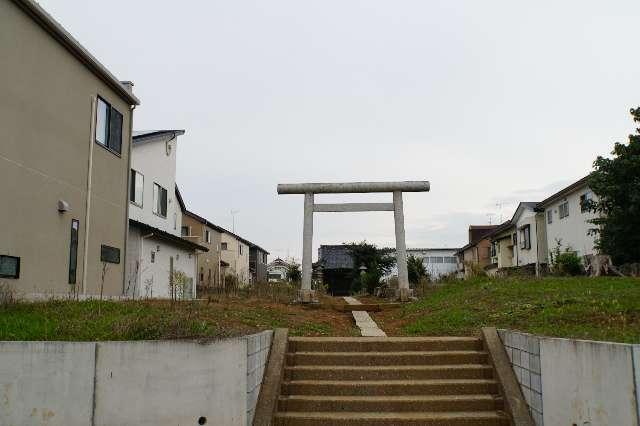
(39, 15)
(143, 135)
(335, 257)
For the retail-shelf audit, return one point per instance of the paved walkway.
(366, 324)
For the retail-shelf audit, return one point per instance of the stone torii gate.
(310, 189)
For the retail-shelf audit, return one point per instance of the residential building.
(160, 263)
(531, 240)
(475, 255)
(234, 252)
(438, 262)
(567, 219)
(64, 160)
(277, 270)
(503, 240)
(199, 230)
(258, 260)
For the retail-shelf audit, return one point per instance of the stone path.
(366, 324)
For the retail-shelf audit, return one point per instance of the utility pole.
(233, 220)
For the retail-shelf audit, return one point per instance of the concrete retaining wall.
(576, 382)
(124, 383)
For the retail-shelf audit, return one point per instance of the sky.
(493, 102)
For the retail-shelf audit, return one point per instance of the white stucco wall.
(526, 256)
(147, 279)
(433, 267)
(573, 229)
(150, 158)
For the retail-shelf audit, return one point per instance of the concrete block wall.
(524, 353)
(562, 380)
(124, 383)
(258, 346)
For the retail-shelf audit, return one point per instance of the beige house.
(200, 231)
(64, 160)
(234, 251)
(503, 240)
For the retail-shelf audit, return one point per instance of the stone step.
(421, 403)
(389, 372)
(389, 387)
(489, 418)
(376, 344)
(387, 358)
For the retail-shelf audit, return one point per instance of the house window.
(109, 254)
(108, 126)
(563, 209)
(136, 188)
(159, 200)
(9, 267)
(73, 251)
(493, 249)
(514, 238)
(184, 231)
(201, 274)
(207, 236)
(584, 202)
(223, 246)
(240, 249)
(525, 237)
(549, 216)
(153, 257)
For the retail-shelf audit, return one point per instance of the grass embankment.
(150, 320)
(585, 308)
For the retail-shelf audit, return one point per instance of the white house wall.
(154, 277)
(573, 229)
(150, 159)
(527, 256)
(435, 270)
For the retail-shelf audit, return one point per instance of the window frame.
(525, 242)
(224, 246)
(17, 273)
(564, 204)
(584, 198)
(159, 199)
(132, 188)
(103, 258)
(549, 216)
(107, 145)
(73, 251)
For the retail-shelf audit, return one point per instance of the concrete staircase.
(388, 381)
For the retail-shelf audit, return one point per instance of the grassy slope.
(586, 308)
(147, 320)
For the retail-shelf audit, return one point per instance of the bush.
(565, 262)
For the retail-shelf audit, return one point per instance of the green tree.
(616, 183)
(293, 272)
(416, 269)
(377, 261)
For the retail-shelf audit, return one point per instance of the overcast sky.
(494, 102)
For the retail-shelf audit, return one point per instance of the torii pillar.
(310, 189)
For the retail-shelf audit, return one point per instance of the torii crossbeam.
(310, 189)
